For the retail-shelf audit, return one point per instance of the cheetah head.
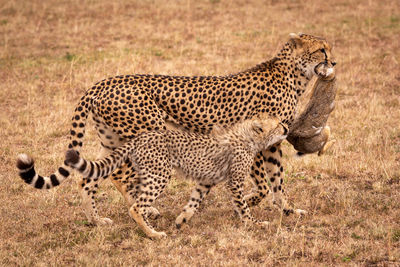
(313, 56)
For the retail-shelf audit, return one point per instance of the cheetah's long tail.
(25, 163)
(101, 168)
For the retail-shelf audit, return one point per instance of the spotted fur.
(226, 155)
(124, 106)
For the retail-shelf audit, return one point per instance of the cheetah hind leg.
(88, 191)
(109, 141)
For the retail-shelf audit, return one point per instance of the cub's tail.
(101, 168)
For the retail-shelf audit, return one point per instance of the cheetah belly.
(201, 164)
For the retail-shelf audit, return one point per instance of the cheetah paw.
(263, 224)
(300, 212)
(157, 235)
(105, 221)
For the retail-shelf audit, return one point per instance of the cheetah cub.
(223, 155)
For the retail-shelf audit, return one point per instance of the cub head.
(268, 131)
(313, 55)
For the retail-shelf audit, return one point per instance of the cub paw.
(252, 199)
(184, 217)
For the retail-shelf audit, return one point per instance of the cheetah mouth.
(324, 70)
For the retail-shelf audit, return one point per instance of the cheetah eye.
(322, 50)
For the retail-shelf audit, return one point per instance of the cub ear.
(257, 127)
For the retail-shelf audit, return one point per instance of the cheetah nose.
(333, 63)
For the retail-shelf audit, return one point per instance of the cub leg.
(235, 185)
(138, 212)
(197, 196)
(151, 186)
(127, 181)
(125, 178)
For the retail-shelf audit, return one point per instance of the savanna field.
(52, 51)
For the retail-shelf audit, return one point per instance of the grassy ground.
(51, 51)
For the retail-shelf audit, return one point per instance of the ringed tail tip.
(24, 162)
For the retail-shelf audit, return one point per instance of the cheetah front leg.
(197, 196)
(259, 177)
(275, 173)
(269, 163)
(235, 186)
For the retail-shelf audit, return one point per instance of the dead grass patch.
(50, 51)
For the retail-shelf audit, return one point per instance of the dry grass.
(50, 51)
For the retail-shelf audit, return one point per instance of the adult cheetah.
(124, 106)
(209, 159)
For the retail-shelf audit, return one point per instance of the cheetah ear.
(295, 35)
(296, 39)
